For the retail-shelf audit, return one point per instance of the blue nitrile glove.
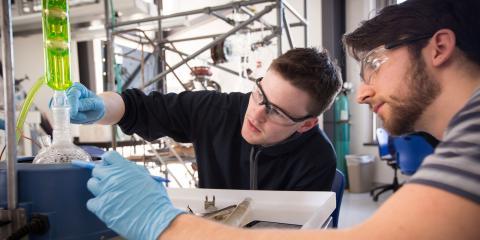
(128, 200)
(85, 106)
(2, 124)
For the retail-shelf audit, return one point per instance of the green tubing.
(26, 106)
(56, 43)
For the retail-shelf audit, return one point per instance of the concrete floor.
(357, 207)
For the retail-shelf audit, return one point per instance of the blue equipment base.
(60, 192)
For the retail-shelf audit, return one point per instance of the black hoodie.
(212, 121)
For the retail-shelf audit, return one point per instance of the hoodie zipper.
(254, 167)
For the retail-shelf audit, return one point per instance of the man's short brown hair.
(414, 18)
(312, 71)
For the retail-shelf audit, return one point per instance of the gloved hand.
(128, 199)
(85, 106)
(2, 124)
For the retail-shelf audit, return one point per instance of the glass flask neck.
(61, 118)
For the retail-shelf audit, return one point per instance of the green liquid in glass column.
(56, 43)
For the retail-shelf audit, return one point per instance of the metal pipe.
(161, 54)
(206, 10)
(149, 41)
(250, 13)
(279, 26)
(178, 78)
(109, 63)
(134, 73)
(192, 38)
(163, 162)
(210, 63)
(223, 18)
(295, 13)
(211, 44)
(179, 159)
(297, 24)
(217, 35)
(119, 32)
(305, 31)
(127, 37)
(287, 30)
(181, 56)
(264, 42)
(9, 100)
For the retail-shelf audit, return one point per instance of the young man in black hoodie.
(268, 139)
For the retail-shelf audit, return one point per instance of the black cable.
(38, 225)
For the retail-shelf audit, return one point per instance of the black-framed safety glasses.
(274, 113)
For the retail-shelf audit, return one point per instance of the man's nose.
(365, 93)
(260, 112)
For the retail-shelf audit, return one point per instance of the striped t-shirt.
(455, 164)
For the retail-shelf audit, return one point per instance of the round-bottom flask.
(62, 150)
(61, 153)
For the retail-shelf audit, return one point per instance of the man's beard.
(406, 111)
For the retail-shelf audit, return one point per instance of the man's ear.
(442, 46)
(308, 124)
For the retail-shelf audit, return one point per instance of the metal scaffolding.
(162, 44)
(282, 27)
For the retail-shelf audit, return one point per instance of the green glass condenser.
(56, 39)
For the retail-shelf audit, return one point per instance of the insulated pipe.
(9, 100)
(211, 44)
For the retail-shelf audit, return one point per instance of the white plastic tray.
(309, 209)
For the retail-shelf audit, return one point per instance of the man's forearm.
(114, 108)
(190, 227)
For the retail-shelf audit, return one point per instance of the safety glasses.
(375, 58)
(273, 112)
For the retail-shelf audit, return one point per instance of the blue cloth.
(128, 200)
(86, 106)
(2, 124)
